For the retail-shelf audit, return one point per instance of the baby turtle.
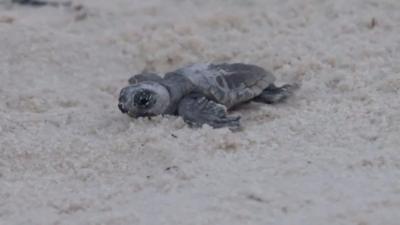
(38, 3)
(201, 93)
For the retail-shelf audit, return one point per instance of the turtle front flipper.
(144, 77)
(273, 94)
(197, 110)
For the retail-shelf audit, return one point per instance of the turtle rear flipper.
(197, 110)
(273, 94)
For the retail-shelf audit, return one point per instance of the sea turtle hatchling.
(201, 93)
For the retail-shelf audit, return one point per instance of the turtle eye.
(143, 99)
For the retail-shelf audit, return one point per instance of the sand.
(330, 155)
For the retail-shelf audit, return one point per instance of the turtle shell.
(228, 84)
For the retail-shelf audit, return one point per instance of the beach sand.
(329, 155)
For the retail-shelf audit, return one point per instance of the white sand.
(330, 155)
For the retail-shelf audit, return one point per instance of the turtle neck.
(178, 86)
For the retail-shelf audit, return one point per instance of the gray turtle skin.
(201, 93)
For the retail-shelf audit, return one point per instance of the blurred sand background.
(330, 155)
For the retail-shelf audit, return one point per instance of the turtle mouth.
(122, 108)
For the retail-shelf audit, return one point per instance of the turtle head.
(144, 99)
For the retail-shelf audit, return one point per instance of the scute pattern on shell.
(228, 84)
